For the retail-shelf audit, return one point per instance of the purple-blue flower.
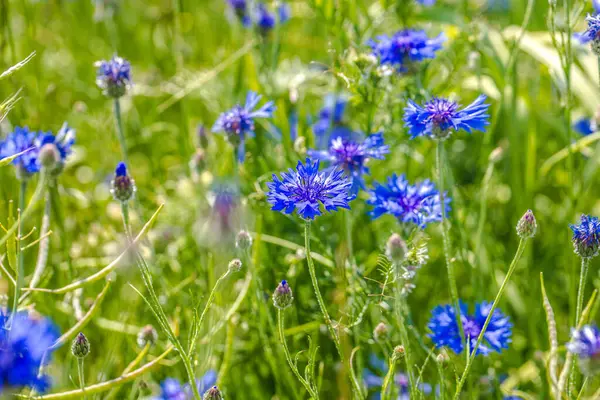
(586, 236)
(113, 76)
(405, 48)
(585, 343)
(23, 348)
(238, 122)
(266, 20)
(17, 141)
(596, 5)
(585, 126)
(373, 380)
(330, 123)
(426, 3)
(418, 204)
(445, 331)
(240, 8)
(306, 188)
(593, 30)
(172, 389)
(438, 118)
(63, 140)
(352, 155)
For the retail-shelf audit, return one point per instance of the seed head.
(398, 353)
(243, 240)
(381, 332)
(213, 394)
(235, 265)
(147, 335)
(395, 248)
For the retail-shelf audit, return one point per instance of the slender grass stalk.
(311, 391)
(313, 277)
(473, 352)
(585, 263)
(446, 238)
(440, 368)
(42, 258)
(224, 370)
(389, 378)
(120, 130)
(400, 307)
(20, 259)
(81, 374)
(358, 390)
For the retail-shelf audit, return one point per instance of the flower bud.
(123, 187)
(213, 394)
(81, 346)
(380, 332)
(243, 240)
(398, 353)
(235, 265)
(442, 359)
(49, 156)
(395, 248)
(282, 297)
(147, 335)
(527, 225)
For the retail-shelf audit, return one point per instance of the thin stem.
(42, 258)
(446, 239)
(81, 374)
(120, 131)
(349, 241)
(20, 259)
(585, 263)
(389, 377)
(441, 373)
(312, 392)
(473, 351)
(313, 277)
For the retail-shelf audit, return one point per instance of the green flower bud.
(81, 346)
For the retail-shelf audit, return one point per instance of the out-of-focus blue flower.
(373, 380)
(64, 140)
(113, 76)
(426, 3)
(445, 331)
(266, 20)
(586, 236)
(23, 348)
(241, 10)
(585, 126)
(17, 141)
(592, 32)
(439, 117)
(418, 204)
(405, 48)
(172, 389)
(306, 188)
(330, 123)
(585, 343)
(353, 155)
(224, 198)
(238, 122)
(596, 5)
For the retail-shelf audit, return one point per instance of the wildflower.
(20, 140)
(398, 352)
(585, 126)
(592, 34)
(330, 123)
(527, 225)
(445, 331)
(238, 122)
(172, 389)
(147, 336)
(426, 3)
(381, 332)
(123, 186)
(586, 237)
(23, 349)
(235, 265)
(54, 150)
(585, 343)
(266, 21)
(81, 346)
(306, 188)
(113, 76)
(438, 118)
(243, 240)
(283, 297)
(596, 5)
(395, 248)
(373, 379)
(442, 358)
(240, 8)
(353, 155)
(418, 204)
(213, 394)
(405, 48)
(224, 198)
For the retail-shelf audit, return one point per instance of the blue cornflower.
(591, 34)
(266, 21)
(586, 236)
(23, 349)
(113, 76)
(405, 48)
(224, 199)
(306, 188)
(240, 8)
(445, 331)
(426, 3)
(353, 155)
(439, 117)
(373, 379)
(418, 204)
(17, 141)
(172, 389)
(60, 144)
(585, 343)
(585, 126)
(330, 123)
(238, 122)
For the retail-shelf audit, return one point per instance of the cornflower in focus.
(113, 77)
(405, 48)
(586, 236)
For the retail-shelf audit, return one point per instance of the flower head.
(60, 145)
(147, 336)
(80, 347)
(224, 199)
(282, 296)
(445, 331)
(330, 123)
(585, 343)
(585, 126)
(592, 33)
(586, 236)
(353, 155)
(172, 389)
(266, 20)
(418, 204)
(113, 77)
(122, 186)
(373, 379)
(23, 349)
(439, 117)
(238, 122)
(527, 225)
(240, 8)
(405, 48)
(306, 188)
(18, 141)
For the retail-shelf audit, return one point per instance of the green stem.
(312, 392)
(585, 263)
(446, 239)
(349, 240)
(20, 259)
(313, 277)
(472, 355)
(81, 374)
(389, 377)
(441, 373)
(120, 131)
